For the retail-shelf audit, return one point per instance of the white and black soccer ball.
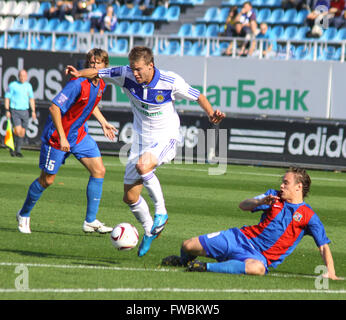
(124, 236)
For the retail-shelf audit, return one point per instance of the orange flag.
(9, 137)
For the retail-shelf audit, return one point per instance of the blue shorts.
(51, 159)
(230, 244)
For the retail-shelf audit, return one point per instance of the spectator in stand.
(59, 9)
(230, 21)
(247, 18)
(319, 12)
(81, 8)
(107, 22)
(336, 13)
(242, 46)
(292, 4)
(269, 44)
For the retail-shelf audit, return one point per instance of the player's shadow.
(82, 260)
(76, 234)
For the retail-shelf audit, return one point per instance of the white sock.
(141, 211)
(152, 184)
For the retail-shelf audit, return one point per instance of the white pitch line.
(68, 266)
(180, 290)
(205, 170)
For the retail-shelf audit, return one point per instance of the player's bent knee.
(255, 267)
(46, 181)
(129, 199)
(193, 246)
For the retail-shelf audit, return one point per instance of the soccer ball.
(124, 236)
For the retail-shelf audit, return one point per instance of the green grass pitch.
(62, 262)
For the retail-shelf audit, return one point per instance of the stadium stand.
(190, 27)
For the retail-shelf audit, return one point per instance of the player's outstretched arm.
(329, 262)
(216, 116)
(89, 73)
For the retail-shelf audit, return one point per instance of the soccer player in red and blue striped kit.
(66, 133)
(286, 219)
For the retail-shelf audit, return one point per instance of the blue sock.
(230, 266)
(34, 193)
(185, 257)
(94, 193)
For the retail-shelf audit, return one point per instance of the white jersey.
(153, 104)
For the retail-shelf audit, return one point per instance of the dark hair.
(301, 176)
(141, 52)
(247, 2)
(97, 53)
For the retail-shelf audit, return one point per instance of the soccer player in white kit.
(152, 93)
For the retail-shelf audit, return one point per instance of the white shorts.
(164, 151)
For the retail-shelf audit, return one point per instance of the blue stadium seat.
(212, 30)
(301, 34)
(2, 41)
(327, 53)
(159, 14)
(122, 28)
(147, 29)
(16, 41)
(119, 46)
(102, 7)
(222, 17)
(187, 46)
(123, 12)
(300, 52)
(277, 32)
(64, 43)
(218, 50)
(76, 26)
(276, 16)
(173, 13)
(31, 23)
(41, 42)
(185, 30)
(257, 3)
(301, 16)
(199, 30)
(210, 15)
(196, 49)
(329, 34)
(136, 14)
(20, 24)
(51, 25)
(85, 26)
(289, 17)
(341, 35)
(173, 48)
(263, 15)
(41, 25)
(47, 43)
(63, 26)
(135, 27)
(272, 3)
(290, 33)
(337, 55)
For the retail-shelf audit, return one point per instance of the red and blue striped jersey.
(77, 100)
(281, 228)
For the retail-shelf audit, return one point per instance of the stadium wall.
(279, 117)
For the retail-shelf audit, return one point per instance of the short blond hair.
(141, 52)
